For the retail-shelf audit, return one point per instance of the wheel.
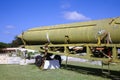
(38, 61)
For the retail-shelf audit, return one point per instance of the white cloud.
(10, 27)
(74, 15)
(7, 32)
(65, 6)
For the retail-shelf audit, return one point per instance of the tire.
(38, 61)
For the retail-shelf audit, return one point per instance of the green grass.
(74, 71)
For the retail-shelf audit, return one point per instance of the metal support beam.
(66, 51)
(108, 66)
(114, 53)
(99, 41)
(89, 52)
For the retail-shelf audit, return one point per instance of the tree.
(16, 42)
(4, 45)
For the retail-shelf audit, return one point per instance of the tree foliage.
(4, 45)
(16, 42)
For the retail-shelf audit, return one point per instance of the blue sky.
(17, 16)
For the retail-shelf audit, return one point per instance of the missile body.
(80, 32)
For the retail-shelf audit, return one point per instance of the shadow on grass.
(114, 75)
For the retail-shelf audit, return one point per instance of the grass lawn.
(74, 71)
